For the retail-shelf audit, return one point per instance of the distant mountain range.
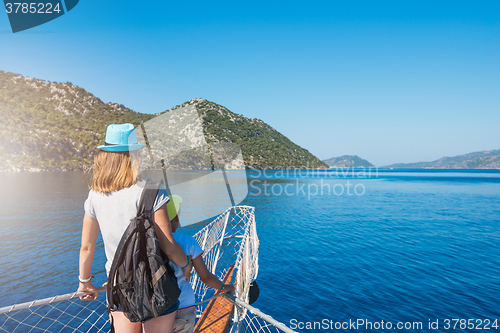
(477, 160)
(51, 126)
(348, 161)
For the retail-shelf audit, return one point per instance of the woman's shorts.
(171, 309)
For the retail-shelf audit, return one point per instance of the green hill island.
(57, 126)
(348, 161)
(477, 160)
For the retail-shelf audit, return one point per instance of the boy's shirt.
(193, 249)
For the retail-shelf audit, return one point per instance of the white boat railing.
(229, 239)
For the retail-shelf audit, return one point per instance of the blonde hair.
(113, 171)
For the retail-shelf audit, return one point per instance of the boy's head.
(173, 209)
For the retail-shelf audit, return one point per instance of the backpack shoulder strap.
(148, 197)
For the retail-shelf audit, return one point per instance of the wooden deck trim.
(217, 315)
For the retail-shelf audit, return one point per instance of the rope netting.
(255, 320)
(253, 323)
(63, 313)
(230, 239)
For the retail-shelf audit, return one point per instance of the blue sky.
(389, 81)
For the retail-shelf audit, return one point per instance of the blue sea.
(337, 247)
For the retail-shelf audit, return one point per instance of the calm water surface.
(392, 246)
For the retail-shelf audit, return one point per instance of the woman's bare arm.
(90, 230)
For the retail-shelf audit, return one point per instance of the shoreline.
(354, 169)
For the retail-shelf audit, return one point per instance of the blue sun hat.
(122, 137)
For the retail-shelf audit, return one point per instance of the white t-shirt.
(115, 210)
(193, 249)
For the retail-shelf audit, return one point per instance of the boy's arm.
(208, 278)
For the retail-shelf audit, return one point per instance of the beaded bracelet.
(186, 264)
(85, 280)
(223, 286)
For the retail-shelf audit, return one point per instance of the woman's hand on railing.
(91, 289)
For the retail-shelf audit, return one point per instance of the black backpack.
(141, 282)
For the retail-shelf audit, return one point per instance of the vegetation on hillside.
(49, 125)
(348, 161)
(261, 145)
(477, 160)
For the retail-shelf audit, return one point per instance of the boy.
(186, 314)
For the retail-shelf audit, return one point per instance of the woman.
(112, 202)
